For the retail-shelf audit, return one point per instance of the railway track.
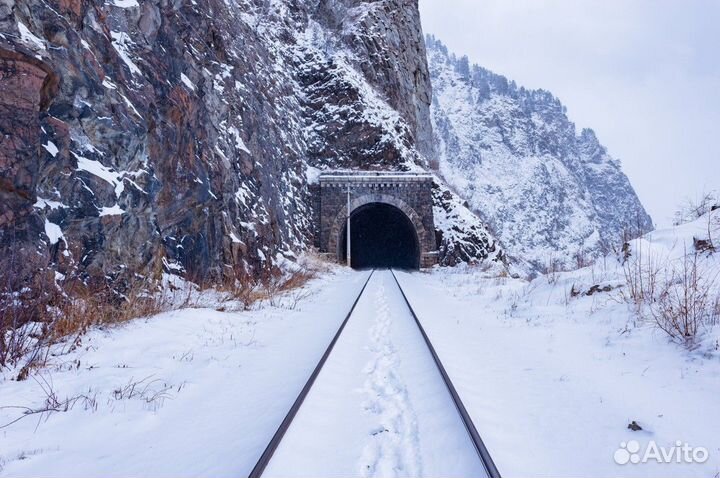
(479, 447)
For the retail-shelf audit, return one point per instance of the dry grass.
(687, 300)
(643, 273)
(287, 290)
(26, 294)
(680, 297)
(36, 312)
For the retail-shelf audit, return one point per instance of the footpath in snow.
(379, 407)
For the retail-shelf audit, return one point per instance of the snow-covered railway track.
(480, 448)
(379, 402)
(262, 463)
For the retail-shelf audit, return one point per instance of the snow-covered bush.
(553, 267)
(687, 299)
(680, 295)
(642, 271)
(692, 209)
(24, 299)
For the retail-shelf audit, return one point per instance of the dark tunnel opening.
(381, 236)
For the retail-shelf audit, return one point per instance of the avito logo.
(630, 452)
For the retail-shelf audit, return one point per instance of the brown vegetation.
(681, 297)
(44, 308)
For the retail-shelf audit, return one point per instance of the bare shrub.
(150, 391)
(687, 301)
(642, 271)
(40, 308)
(26, 292)
(38, 312)
(680, 297)
(553, 269)
(582, 259)
(713, 231)
(692, 209)
(241, 288)
(84, 307)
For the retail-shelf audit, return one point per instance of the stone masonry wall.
(414, 198)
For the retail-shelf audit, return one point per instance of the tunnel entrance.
(381, 236)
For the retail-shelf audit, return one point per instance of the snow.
(321, 46)
(107, 83)
(312, 175)
(239, 143)
(96, 168)
(51, 148)
(173, 267)
(43, 203)
(223, 382)
(186, 81)
(517, 160)
(234, 238)
(242, 195)
(551, 381)
(28, 38)
(53, 232)
(121, 42)
(125, 3)
(379, 403)
(115, 210)
(129, 104)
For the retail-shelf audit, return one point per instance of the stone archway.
(338, 224)
(410, 193)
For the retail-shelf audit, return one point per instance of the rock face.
(548, 193)
(26, 85)
(149, 136)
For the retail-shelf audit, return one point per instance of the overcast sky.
(644, 74)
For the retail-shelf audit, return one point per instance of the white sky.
(644, 74)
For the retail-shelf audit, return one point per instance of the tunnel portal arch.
(383, 235)
(409, 194)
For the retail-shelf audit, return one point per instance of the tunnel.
(382, 236)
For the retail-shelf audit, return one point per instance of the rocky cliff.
(148, 136)
(550, 195)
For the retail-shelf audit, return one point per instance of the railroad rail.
(480, 448)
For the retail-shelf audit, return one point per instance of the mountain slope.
(549, 194)
(146, 137)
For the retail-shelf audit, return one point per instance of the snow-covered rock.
(547, 192)
(184, 130)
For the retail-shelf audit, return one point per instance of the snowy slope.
(195, 392)
(552, 381)
(547, 192)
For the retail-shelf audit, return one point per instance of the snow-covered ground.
(210, 390)
(551, 381)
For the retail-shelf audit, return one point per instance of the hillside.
(146, 138)
(549, 193)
